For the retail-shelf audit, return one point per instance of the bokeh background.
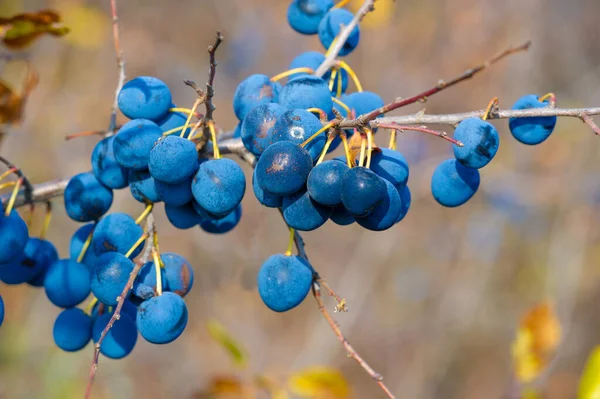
(434, 302)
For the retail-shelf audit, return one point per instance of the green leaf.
(21, 30)
(219, 333)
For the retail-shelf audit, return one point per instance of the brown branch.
(422, 129)
(149, 230)
(441, 85)
(212, 70)
(28, 189)
(586, 118)
(349, 349)
(342, 37)
(120, 65)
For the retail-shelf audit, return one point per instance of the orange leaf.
(12, 104)
(21, 30)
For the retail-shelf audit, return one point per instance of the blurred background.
(435, 302)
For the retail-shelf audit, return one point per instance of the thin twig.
(349, 349)
(212, 70)
(27, 187)
(441, 85)
(120, 66)
(586, 118)
(342, 37)
(149, 230)
(422, 129)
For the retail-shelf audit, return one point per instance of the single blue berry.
(37, 256)
(362, 191)
(13, 237)
(182, 216)
(72, 330)
(363, 102)
(116, 232)
(219, 186)
(304, 15)
(257, 127)
(534, 130)
(177, 274)
(312, 60)
(45, 254)
(330, 27)
(143, 186)
(86, 199)
(390, 165)
(480, 140)
(174, 194)
(223, 225)
(120, 339)
(296, 126)
(144, 97)
(283, 168)
(284, 281)
(253, 91)
(109, 276)
(305, 92)
(67, 283)
(173, 159)
(162, 319)
(324, 182)
(105, 166)
(453, 184)
(303, 213)
(386, 213)
(133, 142)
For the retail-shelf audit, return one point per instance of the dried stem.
(441, 85)
(342, 37)
(149, 230)
(349, 349)
(120, 65)
(28, 189)
(422, 129)
(585, 117)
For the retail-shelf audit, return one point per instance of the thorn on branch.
(590, 122)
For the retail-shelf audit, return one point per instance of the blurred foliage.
(319, 382)
(219, 333)
(19, 31)
(589, 385)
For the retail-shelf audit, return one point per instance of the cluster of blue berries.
(456, 180)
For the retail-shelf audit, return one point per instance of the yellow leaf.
(19, 31)
(319, 382)
(219, 333)
(589, 384)
(537, 337)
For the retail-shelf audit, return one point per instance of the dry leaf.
(319, 382)
(537, 337)
(12, 104)
(219, 333)
(19, 31)
(225, 386)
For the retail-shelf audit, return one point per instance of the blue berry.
(173, 159)
(174, 194)
(223, 225)
(67, 283)
(76, 245)
(386, 213)
(284, 282)
(72, 330)
(253, 91)
(128, 308)
(296, 126)
(390, 165)
(116, 232)
(144, 97)
(362, 191)
(535, 130)
(109, 276)
(105, 166)
(173, 120)
(330, 26)
(480, 140)
(219, 186)
(142, 186)
(120, 339)
(183, 216)
(257, 127)
(237, 132)
(341, 216)
(313, 59)
(453, 184)
(406, 199)
(283, 168)
(306, 92)
(363, 102)
(303, 213)
(162, 319)
(134, 141)
(177, 274)
(13, 237)
(86, 199)
(37, 257)
(264, 197)
(324, 182)
(304, 15)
